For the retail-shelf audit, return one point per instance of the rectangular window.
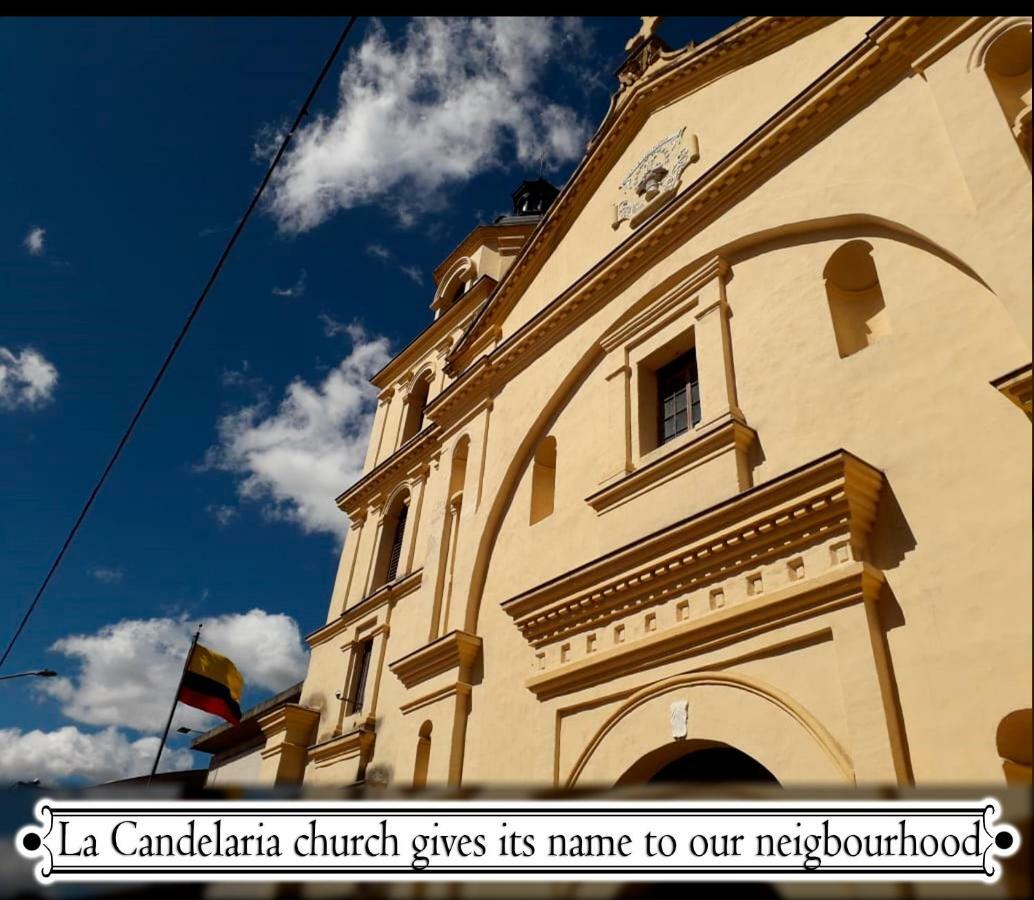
(362, 672)
(678, 397)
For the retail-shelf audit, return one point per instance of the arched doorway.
(725, 709)
(715, 765)
(697, 762)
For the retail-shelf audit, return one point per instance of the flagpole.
(175, 700)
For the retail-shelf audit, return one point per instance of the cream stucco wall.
(881, 641)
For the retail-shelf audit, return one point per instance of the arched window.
(1007, 64)
(856, 304)
(543, 480)
(423, 756)
(393, 533)
(450, 529)
(416, 403)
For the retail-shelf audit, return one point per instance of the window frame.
(361, 675)
(678, 384)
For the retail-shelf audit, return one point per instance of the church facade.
(716, 462)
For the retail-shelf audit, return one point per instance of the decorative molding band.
(1016, 385)
(730, 434)
(406, 462)
(837, 492)
(852, 583)
(455, 650)
(460, 688)
(455, 316)
(676, 299)
(351, 744)
(879, 60)
(392, 592)
(292, 723)
(697, 66)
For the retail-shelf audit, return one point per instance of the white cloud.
(297, 458)
(69, 753)
(332, 327)
(379, 251)
(107, 575)
(35, 240)
(128, 671)
(223, 514)
(296, 289)
(453, 98)
(413, 273)
(26, 379)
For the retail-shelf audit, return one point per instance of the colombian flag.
(212, 683)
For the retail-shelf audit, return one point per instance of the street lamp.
(42, 673)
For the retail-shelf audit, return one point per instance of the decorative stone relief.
(678, 712)
(656, 177)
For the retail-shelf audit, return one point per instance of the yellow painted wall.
(904, 682)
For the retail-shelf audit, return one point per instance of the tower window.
(392, 536)
(416, 406)
(397, 537)
(364, 654)
(678, 397)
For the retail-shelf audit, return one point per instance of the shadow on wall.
(856, 303)
(891, 539)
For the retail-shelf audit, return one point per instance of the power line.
(302, 112)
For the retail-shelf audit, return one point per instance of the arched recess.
(416, 403)
(1002, 54)
(454, 284)
(423, 755)
(855, 297)
(388, 561)
(750, 245)
(450, 531)
(725, 709)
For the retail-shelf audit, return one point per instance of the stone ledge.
(1016, 385)
(725, 436)
(836, 493)
(850, 584)
(456, 650)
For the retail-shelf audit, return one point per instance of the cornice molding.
(357, 742)
(456, 650)
(838, 492)
(854, 582)
(681, 72)
(730, 434)
(406, 462)
(1016, 385)
(867, 70)
(499, 237)
(391, 592)
(450, 319)
(292, 723)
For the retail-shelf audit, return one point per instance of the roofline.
(249, 715)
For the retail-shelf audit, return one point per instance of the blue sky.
(131, 148)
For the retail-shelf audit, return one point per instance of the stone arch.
(392, 532)
(994, 30)
(697, 761)
(453, 283)
(753, 244)
(418, 391)
(725, 709)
